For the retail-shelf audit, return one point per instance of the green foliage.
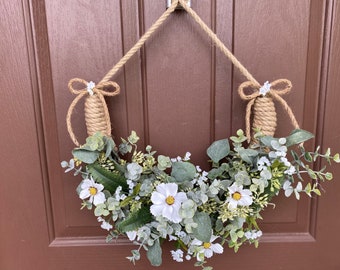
(203, 230)
(298, 136)
(248, 155)
(135, 220)
(154, 254)
(183, 171)
(210, 208)
(163, 162)
(133, 138)
(218, 150)
(86, 156)
(110, 180)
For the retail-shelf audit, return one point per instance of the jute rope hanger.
(97, 116)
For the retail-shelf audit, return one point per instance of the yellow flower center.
(170, 200)
(237, 196)
(206, 245)
(93, 191)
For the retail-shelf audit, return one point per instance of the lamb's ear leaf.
(154, 253)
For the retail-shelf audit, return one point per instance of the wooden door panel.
(179, 93)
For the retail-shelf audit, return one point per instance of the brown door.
(179, 94)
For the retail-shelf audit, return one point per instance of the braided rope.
(263, 106)
(219, 44)
(140, 42)
(97, 116)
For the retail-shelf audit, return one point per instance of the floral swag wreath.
(151, 199)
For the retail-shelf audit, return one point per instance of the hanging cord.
(97, 116)
(263, 110)
(204, 27)
(140, 42)
(219, 44)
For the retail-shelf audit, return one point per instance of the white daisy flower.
(93, 191)
(187, 156)
(90, 86)
(176, 159)
(209, 248)
(252, 235)
(167, 202)
(239, 196)
(265, 88)
(279, 147)
(177, 255)
(105, 225)
(263, 163)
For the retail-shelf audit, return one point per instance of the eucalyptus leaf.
(86, 156)
(267, 140)
(163, 162)
(133, 138)
(218, 150)
(154, 253)
(329, 176)
(248, 155)
(110, 144)
(183, 171)
(298, 136)
(203, 230)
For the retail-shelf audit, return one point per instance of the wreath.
(153, 198)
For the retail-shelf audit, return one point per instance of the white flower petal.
(208, 253)
(167, 212)
(99, 187)
(85, 193)
(157, 198)
(232, 204)
(217, 248)
(196, 242)
(87, 183)
(156, 210)
(245, 201)
(162, 188)
(99, 198)
(171, 189)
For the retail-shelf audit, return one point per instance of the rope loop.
(97, 116)
(261, 101)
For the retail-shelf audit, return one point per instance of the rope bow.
(261, 100)
(97, 116)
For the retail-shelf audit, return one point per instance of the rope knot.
(97, 116)
(260, 101)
